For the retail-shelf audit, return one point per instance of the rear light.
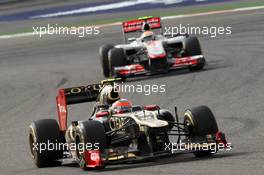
(102, 114)
(151, 107)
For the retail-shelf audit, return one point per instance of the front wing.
(176, 63)
(95, 158)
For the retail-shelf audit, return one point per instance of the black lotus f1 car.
(105, 137)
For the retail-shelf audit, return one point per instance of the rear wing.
(75, 95)
(136, 25)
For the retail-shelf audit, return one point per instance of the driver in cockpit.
(147, 34)
(108, 95)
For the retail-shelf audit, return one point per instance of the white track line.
(163, 18)
(110, 6)
(17, 35)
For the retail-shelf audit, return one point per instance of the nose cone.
(155, 49)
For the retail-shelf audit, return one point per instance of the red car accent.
(135, 68)
(157, 56)
(62, 110)
(136, 25)
(102, 114)
(93, 159)
(220, 138)
(185, 61)
(151, 107)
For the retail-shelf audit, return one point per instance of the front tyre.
(103, 52)
(117, 58)
(44, 141)
(90, 134)
(200, 121)
(192, 48)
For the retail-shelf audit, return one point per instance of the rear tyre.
(200, 121)
(103, 51)
(116, 58)
(192, 47)
(45, 133)
(92, 134)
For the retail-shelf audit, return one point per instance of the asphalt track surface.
(32, 69)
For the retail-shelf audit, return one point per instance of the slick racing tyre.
(192, 47)
(116, 58)
(200, 121)
(90, 134)
(103, 51)
(44, 138)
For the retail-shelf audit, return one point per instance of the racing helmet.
(145, 27)
(147, 36)
(108, 95)
(121, 106)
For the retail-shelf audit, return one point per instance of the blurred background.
(19, 16)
